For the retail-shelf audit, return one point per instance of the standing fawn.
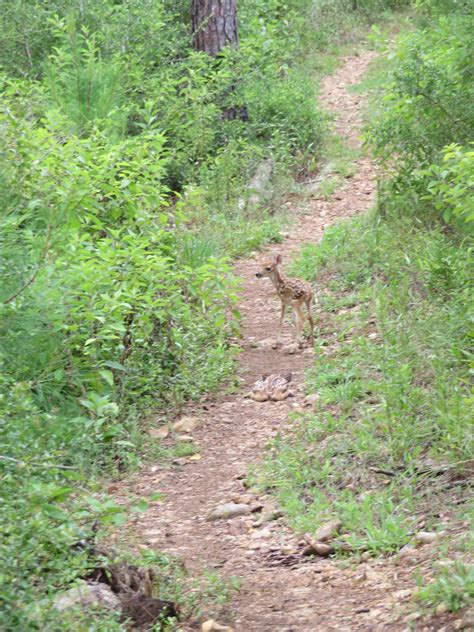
(291, 291)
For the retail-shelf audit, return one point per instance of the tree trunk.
(214, 25)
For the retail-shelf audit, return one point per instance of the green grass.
(392, 374)
(453, 587)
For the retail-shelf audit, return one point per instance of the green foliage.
(339, 21)
(392, 374)
(453, 587)
(124, 193)
(423, 128)
(85, 88)
(452, 183)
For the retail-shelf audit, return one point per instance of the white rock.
(402, 594)
(427, 537)
(328, 531)
(213, 626)
(159, 433)
(268, 343)
(228, 510)
(290, 349)
(87, 596)
(311, 400)
(186, 424)
(261, 533)
(185, 438)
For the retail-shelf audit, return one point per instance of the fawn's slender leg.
(282, 316)
(299, 324)
(308, 302)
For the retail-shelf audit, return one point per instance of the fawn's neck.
(278, 278)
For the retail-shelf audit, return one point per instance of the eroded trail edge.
(234, 430)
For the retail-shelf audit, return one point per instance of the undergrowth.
(124, 196)
(389, 443)
(388, 448)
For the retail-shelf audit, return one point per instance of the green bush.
(451, 184)
(423, 130)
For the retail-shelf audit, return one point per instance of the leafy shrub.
(426, 115)
(393, 392)
(451, 184)
(453, 587)
(84, 87)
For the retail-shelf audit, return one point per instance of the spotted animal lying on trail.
(271, 388)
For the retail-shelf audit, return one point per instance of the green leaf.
(108, 376)
(140, 506)
(115, 365)
(54, 512)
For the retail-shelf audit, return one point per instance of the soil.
(280, 592)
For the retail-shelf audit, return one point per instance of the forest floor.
(280, 591)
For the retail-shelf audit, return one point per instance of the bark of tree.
(214, 25)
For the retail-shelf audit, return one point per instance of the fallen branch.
(380, 470)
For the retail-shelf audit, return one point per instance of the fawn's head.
(269, 267)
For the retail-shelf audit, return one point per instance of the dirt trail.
(312, 596)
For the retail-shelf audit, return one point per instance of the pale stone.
(441, 608)
(186, 424)
(311, 400)
(159, 433)
(290, 349)
(87, 596)
(427, 537)
(402, 594)
(229, 510)
(213, 626)
(328, 530)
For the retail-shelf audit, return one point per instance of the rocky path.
(232, 433)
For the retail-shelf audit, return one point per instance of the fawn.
(291, 291)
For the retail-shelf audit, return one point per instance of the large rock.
(267, 343)
(213, 626)
(291, 349)
(159, 433)
(318, 548)
(88, 596)
(186, 424)
(427, 537)
(259, 189)
(229, 510)
(328, 531)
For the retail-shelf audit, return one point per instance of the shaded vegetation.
(123, 195)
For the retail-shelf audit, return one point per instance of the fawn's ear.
(278, 259)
